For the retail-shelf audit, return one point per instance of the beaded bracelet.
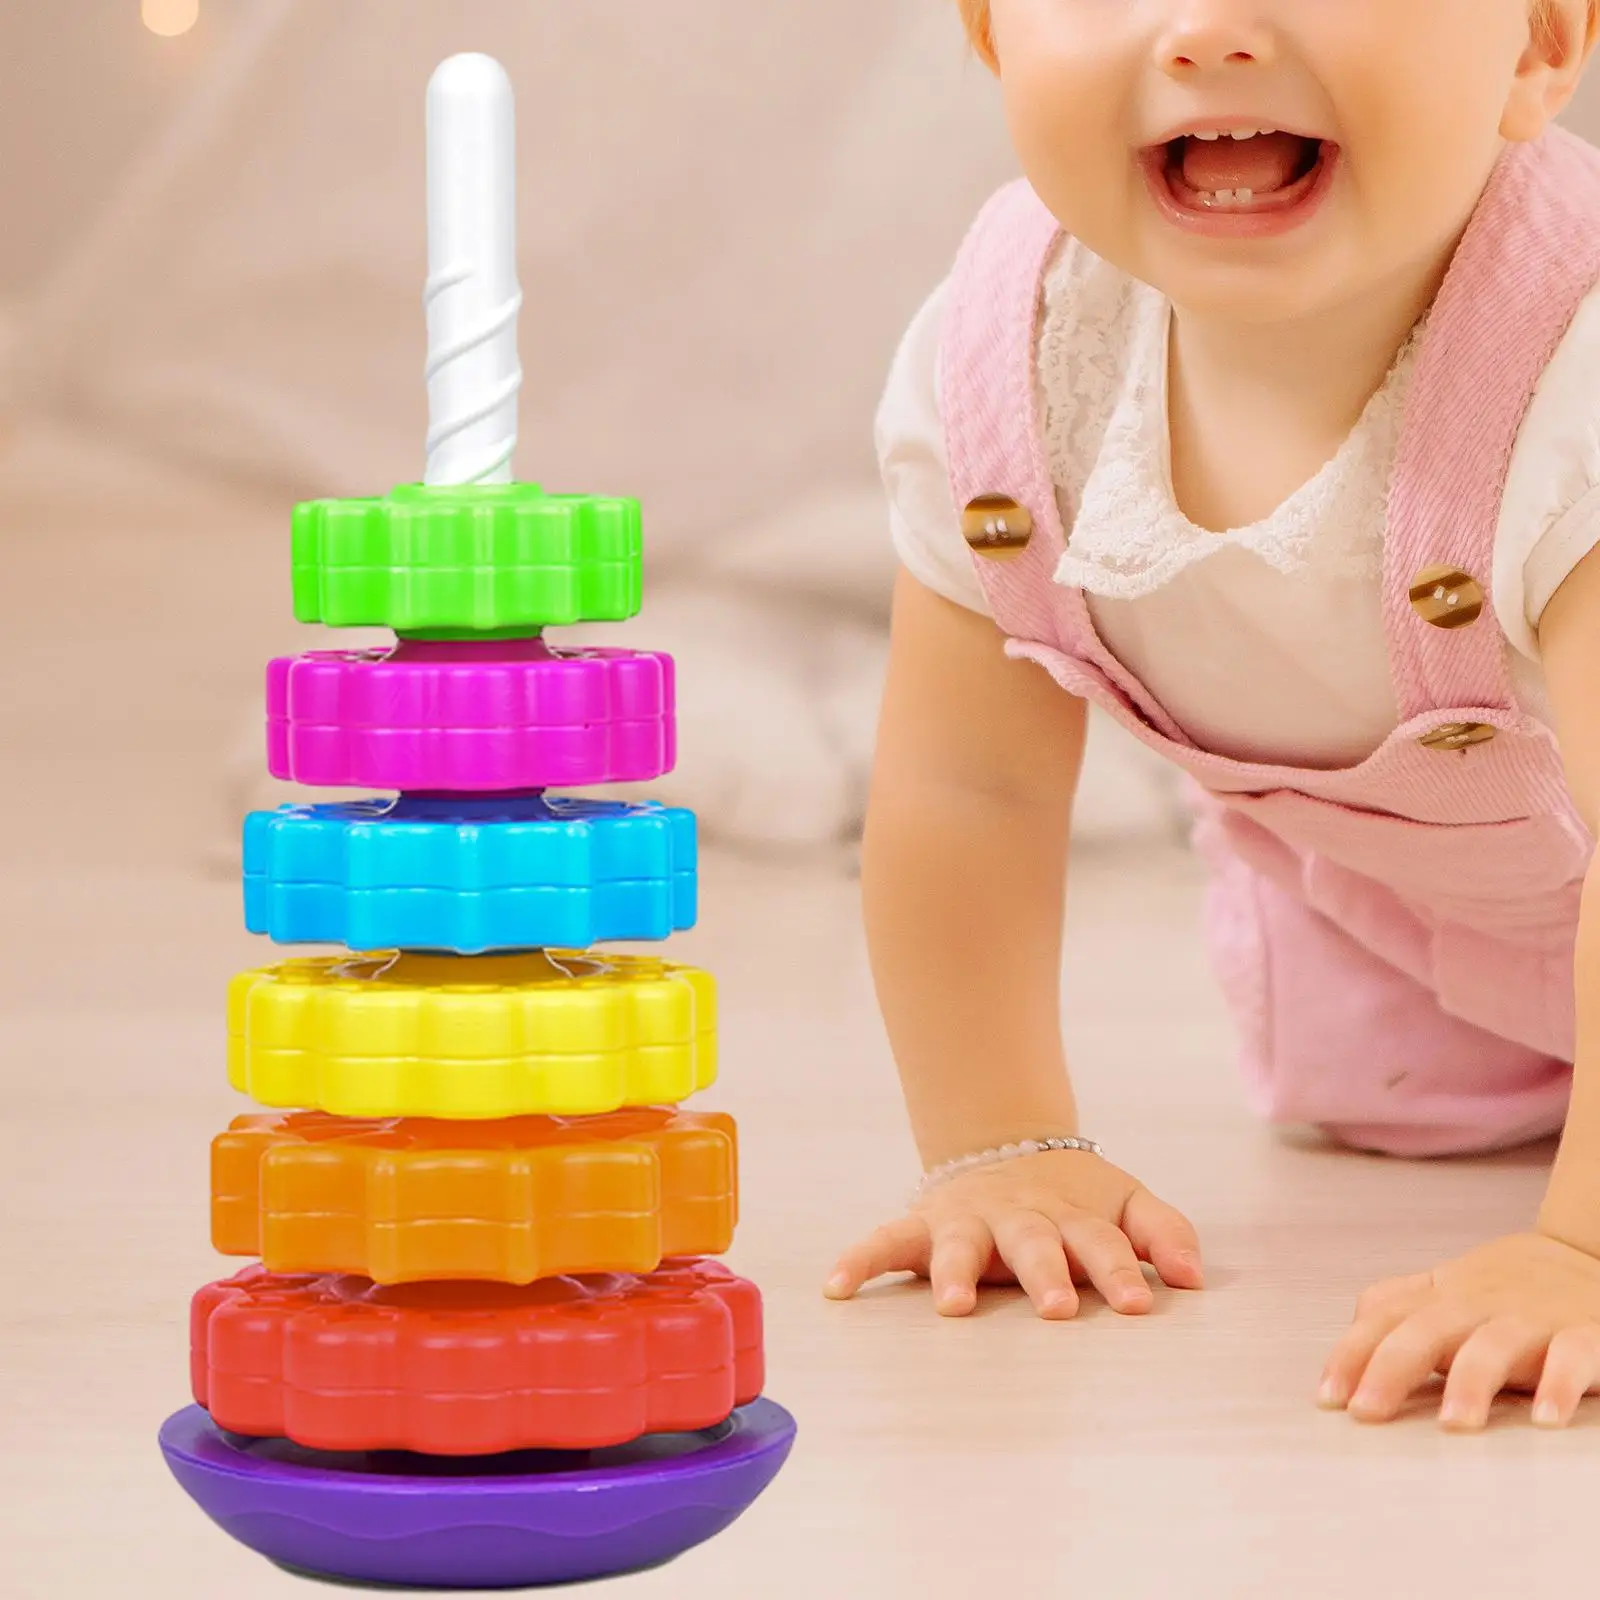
(997, 1156)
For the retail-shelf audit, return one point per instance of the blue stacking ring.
(470, 875)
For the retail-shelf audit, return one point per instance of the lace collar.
(1130, 537)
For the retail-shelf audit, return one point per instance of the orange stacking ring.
(508, 1201)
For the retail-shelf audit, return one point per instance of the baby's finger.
(1163, 1236)
(1031, 1246)
(1484, 1366)
(1408, 1356)
(900, 1246)
(962, 1248)
(1571, 1370)
(1378, 1313)
(1102, 1253)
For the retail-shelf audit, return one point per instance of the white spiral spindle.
(472, 297)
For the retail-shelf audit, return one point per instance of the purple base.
(498, 1522)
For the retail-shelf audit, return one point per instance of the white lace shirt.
(1265, 643)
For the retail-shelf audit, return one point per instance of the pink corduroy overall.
(1394, 939)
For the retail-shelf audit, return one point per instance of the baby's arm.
(1522, 1312)
(964, 879)
(964, 873)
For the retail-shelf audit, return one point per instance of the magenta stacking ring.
(470, 717)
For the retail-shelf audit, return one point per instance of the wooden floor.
(1175, 1457)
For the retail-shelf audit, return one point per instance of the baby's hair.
(1544, 18)
(975, 13)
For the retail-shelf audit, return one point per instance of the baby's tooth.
(1243, 197)
(1209, 138)
(1244, 133)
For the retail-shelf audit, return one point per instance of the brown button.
(997, 527)
(1457, 736)
(1447, 597)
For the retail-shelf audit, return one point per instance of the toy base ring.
(502, 1522)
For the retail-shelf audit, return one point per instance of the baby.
(1262, 415)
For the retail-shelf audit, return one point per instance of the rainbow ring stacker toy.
(485, 1342)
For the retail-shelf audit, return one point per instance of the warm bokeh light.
(169, 18)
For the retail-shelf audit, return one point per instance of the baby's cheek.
(1421, 144)
(1069, 137)
(1409, 198)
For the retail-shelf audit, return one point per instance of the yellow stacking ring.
(540, 1033)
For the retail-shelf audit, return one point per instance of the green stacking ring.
(485, 559)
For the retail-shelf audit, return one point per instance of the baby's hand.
(1045, 1221)
(1522, 1313)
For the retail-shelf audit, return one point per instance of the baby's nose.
(1208, 35)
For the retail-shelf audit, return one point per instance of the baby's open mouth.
(1245, 169)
